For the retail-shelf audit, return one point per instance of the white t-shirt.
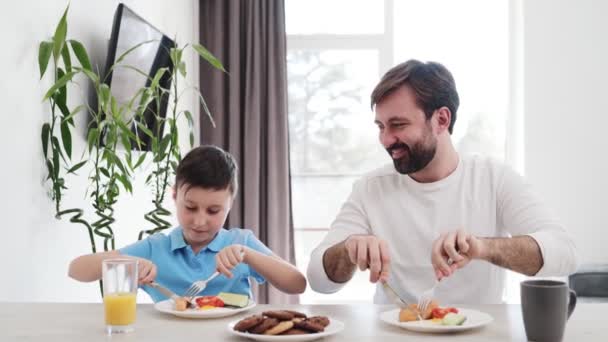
(482, 196)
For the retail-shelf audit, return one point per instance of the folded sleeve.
(351, 220)
(254, 243)
(140, 249)
(522, 212)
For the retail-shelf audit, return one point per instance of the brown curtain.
(249, 107)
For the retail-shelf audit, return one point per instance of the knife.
(170, 294)
(392, 294)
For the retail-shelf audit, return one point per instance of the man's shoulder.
(385, 175)
(475, 163)
(386, 172)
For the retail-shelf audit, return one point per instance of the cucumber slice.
(234, 299)
(453, 319)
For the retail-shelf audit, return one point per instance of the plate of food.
(285, 325)
(223, 305)
(436, 319)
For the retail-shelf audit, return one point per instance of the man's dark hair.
(432, 83)
(208, 167)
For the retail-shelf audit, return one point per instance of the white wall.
(566, 73)
(35, 249)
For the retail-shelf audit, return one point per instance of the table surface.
(84, 322)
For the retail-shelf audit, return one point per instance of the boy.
(205, 186)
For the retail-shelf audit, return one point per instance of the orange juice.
(120, 308)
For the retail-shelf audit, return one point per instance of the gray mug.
(546, 306)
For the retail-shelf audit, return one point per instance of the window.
(336, 57)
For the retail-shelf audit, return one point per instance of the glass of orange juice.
(119, 293)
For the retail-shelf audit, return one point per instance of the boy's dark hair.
(208, 167)
(432, 83)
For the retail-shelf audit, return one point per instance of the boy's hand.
(146, 271)
(228, 258)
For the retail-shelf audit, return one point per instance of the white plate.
(475, 319)
(334, 327)
(167, 306)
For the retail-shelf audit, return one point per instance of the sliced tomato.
(439, 312)
(209, 301)
(454, 310)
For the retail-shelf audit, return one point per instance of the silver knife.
(392, 294)
(170, 294)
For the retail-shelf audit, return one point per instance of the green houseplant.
(56, 133)
(108, 130)
(111, 172)
(165, 152)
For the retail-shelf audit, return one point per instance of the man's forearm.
(520, 254)
(337, 264)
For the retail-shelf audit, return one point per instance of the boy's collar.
(177, 240)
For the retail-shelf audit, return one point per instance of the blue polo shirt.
(178, 267)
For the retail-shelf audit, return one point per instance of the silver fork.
(427, 296)
(200, 285)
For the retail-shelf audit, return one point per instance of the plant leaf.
(91, 75)
(125, 183)
(117, 161)
(182, 68)
(67, 60)
(205, 108)
(92, 138)
(145, 129)
(104, 96)
(164, 143)
(49, 167)
(126, 142)
(57, 148)
(104, 171)
(66, 138)
(60, 83)
(55, 161)
(159, 74)
(74, 168)
(190, 125)
(140, 160)
(208, 56)
(81, 54)
(60, 33)
(44, 55)
(73, 113)
(46, 131)
(60, 97)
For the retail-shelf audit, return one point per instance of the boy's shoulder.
(164, 238)
(237, 233)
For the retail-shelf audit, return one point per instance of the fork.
(200, 285)
(427, 296)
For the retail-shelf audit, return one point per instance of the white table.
(52, 322)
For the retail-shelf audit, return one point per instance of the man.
(435, 215)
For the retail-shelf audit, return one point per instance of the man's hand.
(368, 251)
(455, 250)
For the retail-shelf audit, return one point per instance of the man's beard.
(415, 158)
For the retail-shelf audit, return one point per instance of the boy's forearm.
(276, 271)
(87, 268)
